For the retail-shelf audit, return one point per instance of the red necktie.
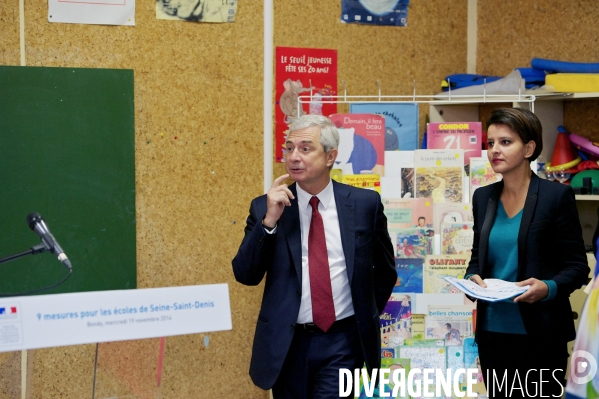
(323, 308)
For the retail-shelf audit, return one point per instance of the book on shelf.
(411, 243)
(393, 365)
(438, 175)
(409, 275)
(417, 326)
(425, 357)
(372, 389)
(421, 302)
(455, 135)
(481, 174)
(396, 321)
(404, 213)
(401, 123)
(387, 352)
(424, 342)
(449, 212)
(369, 181)
(450, 328)
(361, 143)
(438, 267)
(456, 238)
(471, 359)
(455, 361)
(399, 167)
(451, 310)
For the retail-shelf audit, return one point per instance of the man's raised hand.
(277, 198)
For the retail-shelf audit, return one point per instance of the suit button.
(299, 293)
(293, 326)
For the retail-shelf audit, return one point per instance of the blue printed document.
(496, 290)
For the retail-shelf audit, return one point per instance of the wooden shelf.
(581, 197)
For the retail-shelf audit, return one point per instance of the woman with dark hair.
(526, 230)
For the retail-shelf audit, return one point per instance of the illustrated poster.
(302, 72)
(214, 11)
(375, 12)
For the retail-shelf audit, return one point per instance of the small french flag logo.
(8, 311)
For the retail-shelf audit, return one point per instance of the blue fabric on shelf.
(459, 80)
(533, 77)
(564, 66)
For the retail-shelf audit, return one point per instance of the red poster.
(302, 72)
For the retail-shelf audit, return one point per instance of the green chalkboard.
(67, 153)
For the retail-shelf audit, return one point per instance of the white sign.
(43, 321)
(100, 12)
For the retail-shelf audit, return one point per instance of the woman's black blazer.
(550, 247)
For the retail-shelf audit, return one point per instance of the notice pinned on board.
(215, 11)
(44, 321)
(95, 12)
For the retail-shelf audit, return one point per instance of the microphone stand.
(36, 249)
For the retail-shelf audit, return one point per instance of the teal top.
(504, 316)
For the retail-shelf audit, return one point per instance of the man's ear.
(331, 156)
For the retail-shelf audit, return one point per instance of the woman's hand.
(475, 278)
(538, 290)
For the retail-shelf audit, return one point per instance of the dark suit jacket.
(370, 267)
(550, 247)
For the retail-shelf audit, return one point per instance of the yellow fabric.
(574, 82)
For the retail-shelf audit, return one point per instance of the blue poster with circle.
(375, 12)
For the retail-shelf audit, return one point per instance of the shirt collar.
(303, 197)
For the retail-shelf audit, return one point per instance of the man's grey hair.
(329, 136)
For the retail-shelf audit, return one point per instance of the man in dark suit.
(328, 260)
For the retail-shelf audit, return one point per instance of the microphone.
(37, 224)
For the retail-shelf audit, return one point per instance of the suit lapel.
(528, 212)
(485, 231)
(290, 223)
(346, 215)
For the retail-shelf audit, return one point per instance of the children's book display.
(396, 321)
(438, 175)
(456, 238)
(370, 181)
(438, 267)
(400, 171)
(455, 135)
(411, 243)
(430, 227)
(404, 213)
(447, 212)
(361, 143)
(481, 174)
(409, 275)
(401, 123)
(455, 360)
(417, 326)
(373, 391)
(471, 360)
(450, 328)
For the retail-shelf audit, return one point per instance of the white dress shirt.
(338, 271)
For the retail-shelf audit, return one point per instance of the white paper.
(99, 12)
(496, 290)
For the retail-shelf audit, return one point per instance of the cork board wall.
(198, 159)
(511, 33)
